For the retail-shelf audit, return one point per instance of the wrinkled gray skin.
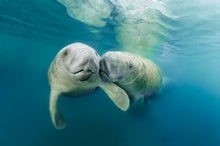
(137, 76)
(73, 72)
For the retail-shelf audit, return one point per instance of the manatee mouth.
(83, 75)
(104, 71)
(104, 75)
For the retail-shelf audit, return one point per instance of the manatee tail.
(56, 116)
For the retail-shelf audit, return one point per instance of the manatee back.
(153, 76)
(147, 81)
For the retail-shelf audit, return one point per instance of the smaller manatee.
(73, 72)
(138, 77)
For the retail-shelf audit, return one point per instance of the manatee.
(137, 76)
(73, 72)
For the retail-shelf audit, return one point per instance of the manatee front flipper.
(117, 95)
(56, 116)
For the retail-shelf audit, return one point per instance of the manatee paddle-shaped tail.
(117, 95)
(56, 116)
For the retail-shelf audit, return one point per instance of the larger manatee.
(73, 72)
(137, 76)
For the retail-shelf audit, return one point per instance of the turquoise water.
(185, 44)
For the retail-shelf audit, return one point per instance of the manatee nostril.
(112, 56)
(88, 53)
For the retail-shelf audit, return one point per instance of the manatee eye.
(65, 53)
(130, 66)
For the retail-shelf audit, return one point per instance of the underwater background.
(181, 37)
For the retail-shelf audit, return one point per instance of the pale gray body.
(73, 72)
(138, 77)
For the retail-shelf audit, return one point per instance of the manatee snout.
(81, 62)
(110, 68)
(104, 69)
(89, 66)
